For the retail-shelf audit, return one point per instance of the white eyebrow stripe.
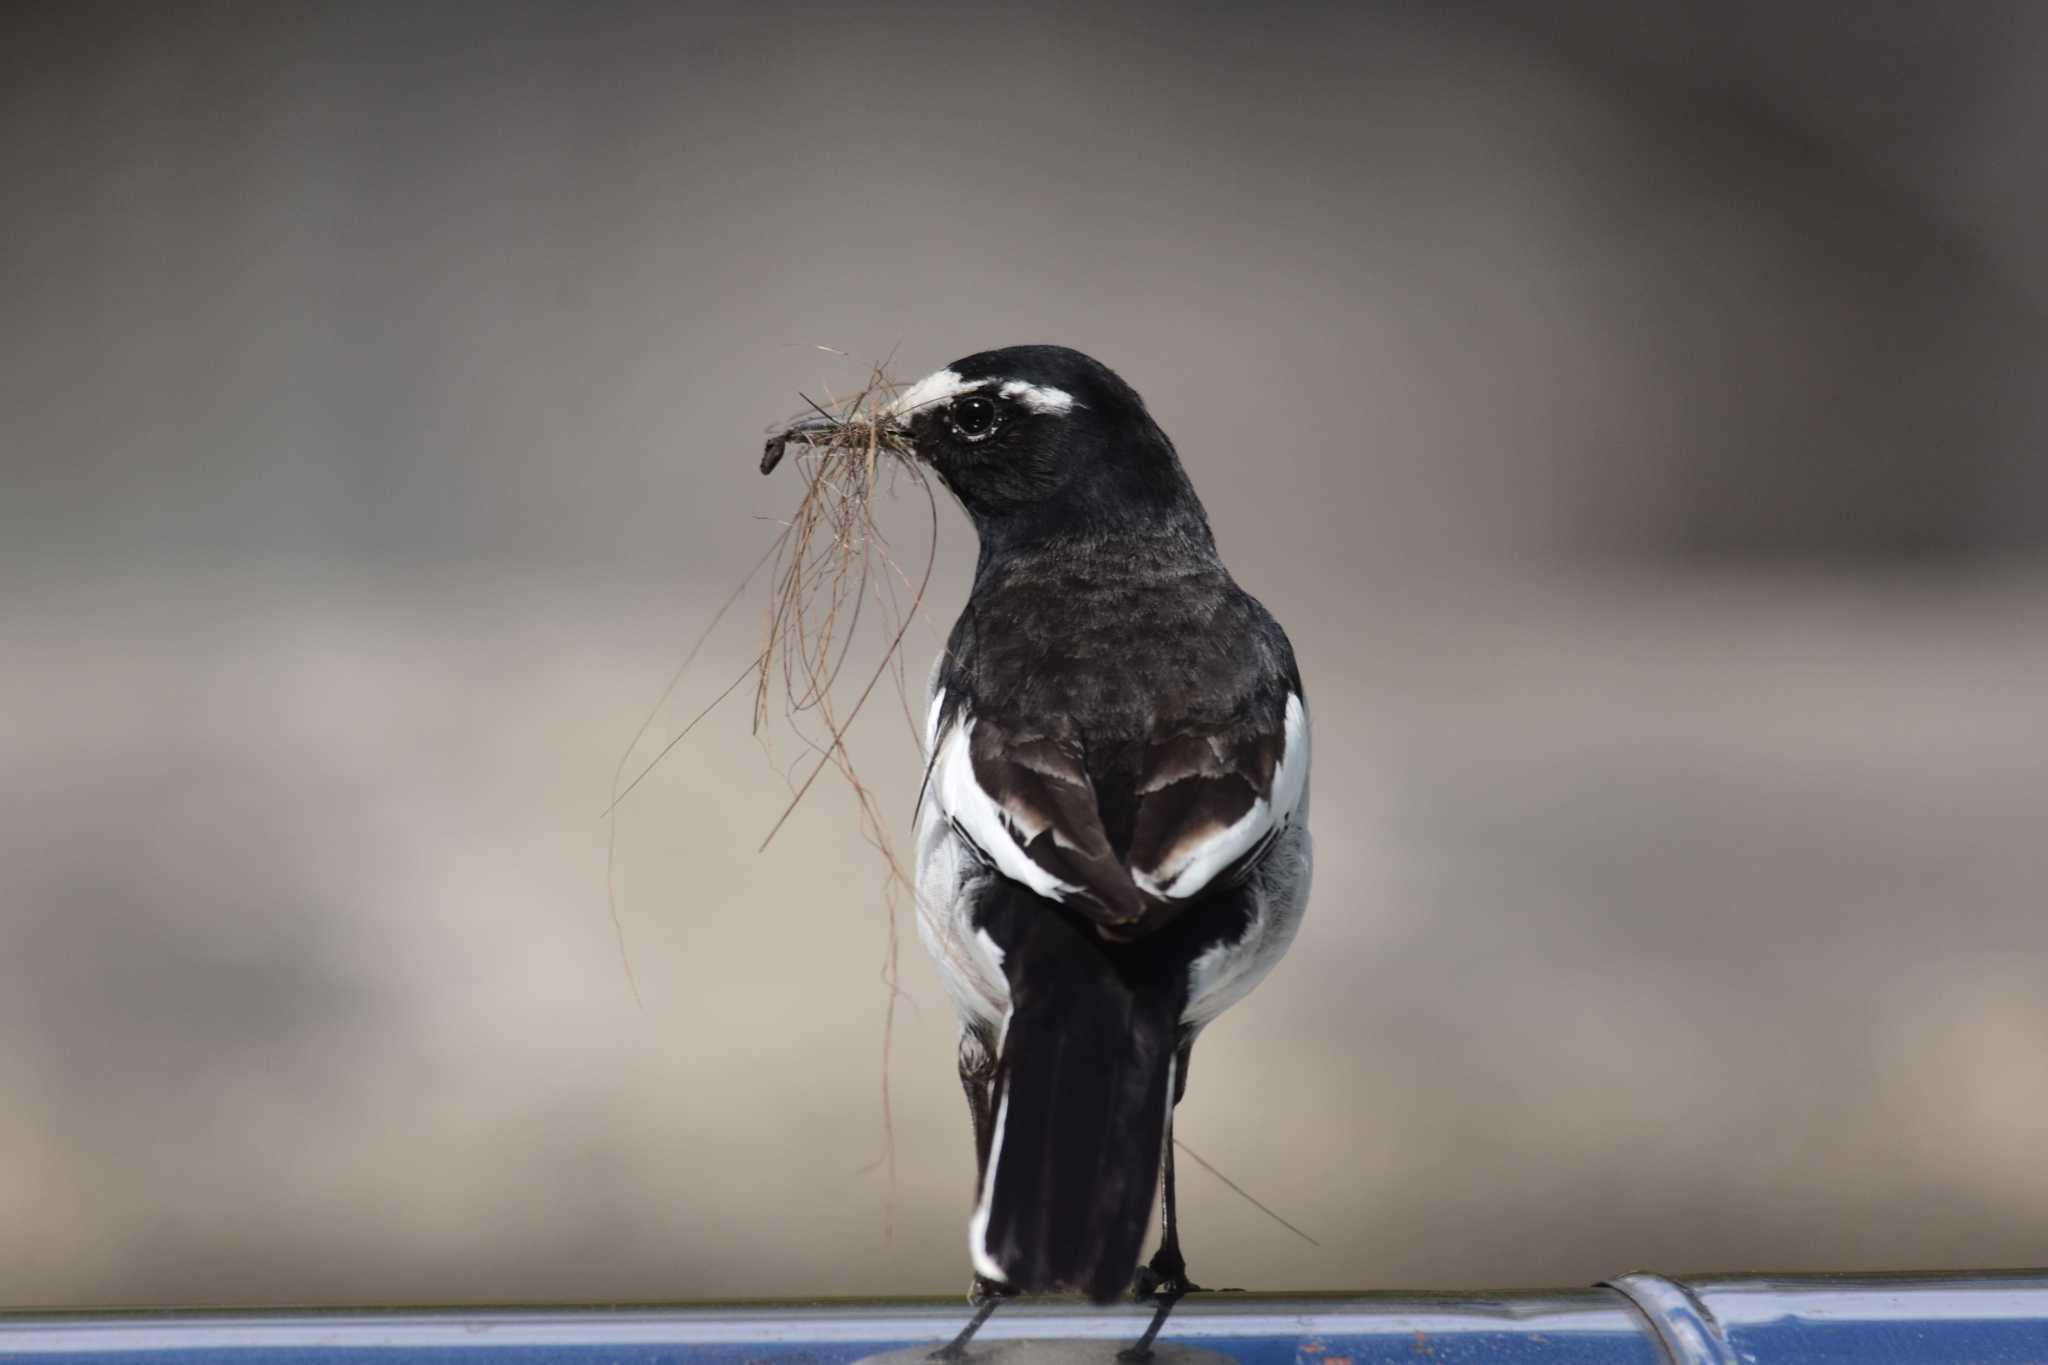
(1038, 397)
(943, 386)
(938, 387)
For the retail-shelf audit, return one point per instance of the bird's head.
(1040, 436)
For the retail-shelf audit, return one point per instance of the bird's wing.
(1209, 805)
(1206, 806)
(1028, 807)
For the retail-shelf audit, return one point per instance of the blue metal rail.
(1987, 1318)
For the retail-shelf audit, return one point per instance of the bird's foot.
(985, 1295)
(1165, 1280)
(1152, 1287)
(1164, 1283)
(983, 1289)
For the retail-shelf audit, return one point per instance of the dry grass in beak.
(832, 575)
(832, 561)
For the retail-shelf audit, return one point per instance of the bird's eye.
(974, 418)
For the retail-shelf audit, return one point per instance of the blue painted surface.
(1592, 1326)
(1993, 1318)
(1989, 1319)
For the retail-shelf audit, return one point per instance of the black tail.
(1081, 1095)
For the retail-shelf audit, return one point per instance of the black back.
(1103, 636)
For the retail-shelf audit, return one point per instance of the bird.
(1111, 840)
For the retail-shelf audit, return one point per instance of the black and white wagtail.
(1112, 844)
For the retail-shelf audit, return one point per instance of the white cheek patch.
(1038, 397)
(942, 386)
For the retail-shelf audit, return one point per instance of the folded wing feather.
(1207, 807)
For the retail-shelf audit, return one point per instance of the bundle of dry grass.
(832, 576)
(829, 564)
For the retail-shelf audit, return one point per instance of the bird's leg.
(1166, 1276)
(977, 1078)
(1165, 1279)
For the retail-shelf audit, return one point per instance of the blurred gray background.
(1632, 410)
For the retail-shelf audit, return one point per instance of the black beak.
(771, 454)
